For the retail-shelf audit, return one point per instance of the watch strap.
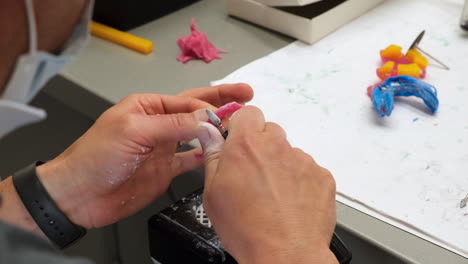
(42, 208)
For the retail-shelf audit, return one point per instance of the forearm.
(307, 257)
(60, 181)
(12, 210)
(288, 249)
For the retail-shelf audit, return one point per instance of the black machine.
(182, 233)
(128, 14)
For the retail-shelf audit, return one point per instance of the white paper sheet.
(410, 169)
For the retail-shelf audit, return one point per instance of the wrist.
(12, 209)
(57, 178)
(284, 255)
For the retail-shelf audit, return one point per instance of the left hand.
(127, 158)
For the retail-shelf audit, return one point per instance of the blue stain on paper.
(383, 95)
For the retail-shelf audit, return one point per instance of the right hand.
(268, 202)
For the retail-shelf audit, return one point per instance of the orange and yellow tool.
(122, 38)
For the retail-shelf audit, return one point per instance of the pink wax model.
(227, 110)
(197, 46)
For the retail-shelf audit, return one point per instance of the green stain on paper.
(444, 42)
(312, 99)
(325, 110)
(405, 155)
(329, 70)
(279, 78)
(301, 91)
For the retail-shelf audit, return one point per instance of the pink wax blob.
(197, 46)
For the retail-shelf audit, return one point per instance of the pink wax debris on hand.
(197, 46)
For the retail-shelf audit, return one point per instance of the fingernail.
(201, 115)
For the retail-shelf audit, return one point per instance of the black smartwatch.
(52, 221)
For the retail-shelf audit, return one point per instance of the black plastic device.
(182, 234)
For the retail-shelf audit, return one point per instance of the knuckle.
(131, 97)
(128, 121)
(246, 141)
(303, 156)
(328, 180)
(281, 145)
(246, 111)
(272, 126)
(298, 151)
(178, 120)
(322, 175)
(212, 156)
(131, 120)
(128, 124)
(243, 147)
(274, 129)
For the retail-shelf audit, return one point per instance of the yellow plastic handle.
(122, 38)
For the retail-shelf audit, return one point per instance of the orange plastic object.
(409, 69)
(386, 70)
(415, 56)
(122, 38)
(392, 52)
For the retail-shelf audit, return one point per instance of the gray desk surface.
(112, 72)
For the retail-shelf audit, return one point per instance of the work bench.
(104, 73)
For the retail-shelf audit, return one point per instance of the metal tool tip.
(213, 117)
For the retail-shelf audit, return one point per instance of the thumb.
(212, 144)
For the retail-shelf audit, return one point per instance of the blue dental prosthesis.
(383, 95)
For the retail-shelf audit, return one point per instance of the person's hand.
(269, 202)
(127, 158)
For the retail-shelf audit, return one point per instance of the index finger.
(152, 104)
(221, 94)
